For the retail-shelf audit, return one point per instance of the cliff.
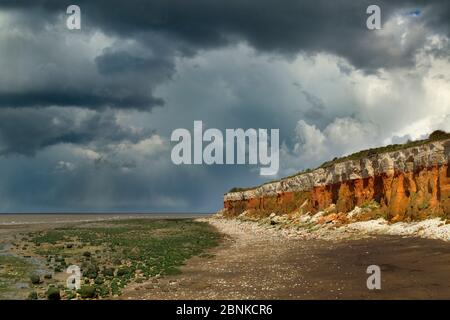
(409, 183)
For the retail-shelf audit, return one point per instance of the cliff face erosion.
(412, 183)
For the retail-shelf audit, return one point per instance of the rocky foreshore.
(327, 225)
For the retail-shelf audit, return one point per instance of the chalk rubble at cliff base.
(430, 228)
(330, 226)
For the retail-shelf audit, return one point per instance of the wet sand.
(252, 265)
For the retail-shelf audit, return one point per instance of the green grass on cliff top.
(434, 136)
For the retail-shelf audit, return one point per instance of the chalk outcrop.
(408, 184)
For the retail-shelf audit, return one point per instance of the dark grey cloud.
(27, 130)
(68, 97)
(125, 75)
(289, 27)
(49, 66)
(111, 62)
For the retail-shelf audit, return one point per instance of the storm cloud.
(27, 130)
(289, 28)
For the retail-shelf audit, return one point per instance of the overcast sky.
(86, 115)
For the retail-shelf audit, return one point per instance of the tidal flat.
(111, 254)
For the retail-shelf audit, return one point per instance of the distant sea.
(45, 218)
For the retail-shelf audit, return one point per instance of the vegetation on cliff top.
(434, 136)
